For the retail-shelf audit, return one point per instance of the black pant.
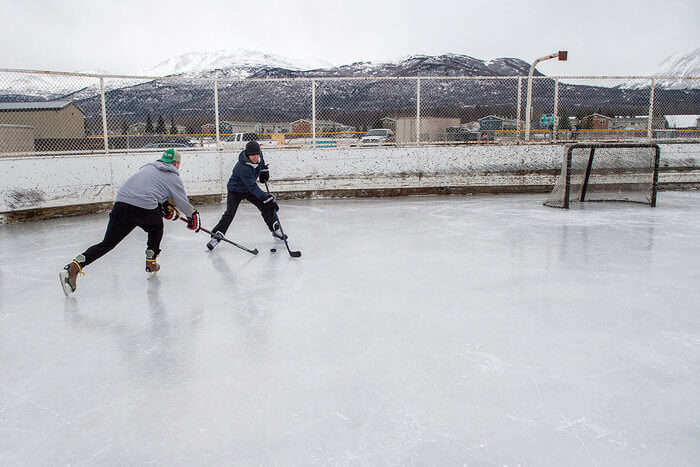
(232, 202)
(122, 220)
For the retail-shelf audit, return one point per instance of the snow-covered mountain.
(683, 65)
(187, 95)
(677, 65)
(244, 63)
(30, 86)
(241, 59)
(239, 63)
(416, 65)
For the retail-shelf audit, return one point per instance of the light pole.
(562, 56)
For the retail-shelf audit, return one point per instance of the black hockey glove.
(193, 222)
(269, 202)
(264, 173)
(169, 212)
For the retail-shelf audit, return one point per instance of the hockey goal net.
(607, 172)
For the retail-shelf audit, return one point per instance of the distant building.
(629, 123)
(16, 138)
(57, 119)
(574, 122)
(303, 126)
(228, 127)
(181, 129)
(495, 122)
(596, 121)
(639, 122)
(431, 129)
(682, 122)
(136, 129)
(209, 129)
(388, 122)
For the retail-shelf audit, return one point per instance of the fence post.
(313, 113)
(216, 113)
(555, 123)
(520, 103)
(650, 131)
(417, 110)
(104, 114)
(528, 108)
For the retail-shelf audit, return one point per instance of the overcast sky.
(603, 37)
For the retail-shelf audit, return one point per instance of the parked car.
(458, 133)
(455, 133)
(241, 137)
(378, 135)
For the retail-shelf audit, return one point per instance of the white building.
(683, 121)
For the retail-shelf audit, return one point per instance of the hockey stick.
(253, 251)
(293, 254)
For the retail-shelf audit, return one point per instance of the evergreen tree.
(149, 125)
(160, 127)
(173, 128)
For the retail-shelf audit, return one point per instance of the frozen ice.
(457, 330)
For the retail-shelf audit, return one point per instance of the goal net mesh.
(606, 172)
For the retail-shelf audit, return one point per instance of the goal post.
(607, 172)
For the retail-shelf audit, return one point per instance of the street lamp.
(562, 56)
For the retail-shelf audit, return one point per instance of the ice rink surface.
(445, 331)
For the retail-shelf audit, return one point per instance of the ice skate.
(69, 277)
(216, 237)
(277, 231)
(151, 266)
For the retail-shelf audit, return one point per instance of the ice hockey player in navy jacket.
(243, 185)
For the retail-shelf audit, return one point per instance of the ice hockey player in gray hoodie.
(143, 201)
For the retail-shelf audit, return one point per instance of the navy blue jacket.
(245, 175)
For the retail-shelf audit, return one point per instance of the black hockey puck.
(273, 249)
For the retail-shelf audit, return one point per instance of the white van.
(241, 137)
(378, 135)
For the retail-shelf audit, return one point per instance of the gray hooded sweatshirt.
(152, 185)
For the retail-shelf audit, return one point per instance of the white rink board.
(51, 181)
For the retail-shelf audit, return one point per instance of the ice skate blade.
(63, 279)
(151, 275)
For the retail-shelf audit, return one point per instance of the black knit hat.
(252, 148)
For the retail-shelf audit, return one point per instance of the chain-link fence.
(43, 112)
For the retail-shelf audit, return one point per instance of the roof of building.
(53, 105)
(4, 125)
(320, 122)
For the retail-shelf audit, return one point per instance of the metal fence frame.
(520, 138)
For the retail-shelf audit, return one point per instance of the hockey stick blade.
(294, 254)
(253, 251)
